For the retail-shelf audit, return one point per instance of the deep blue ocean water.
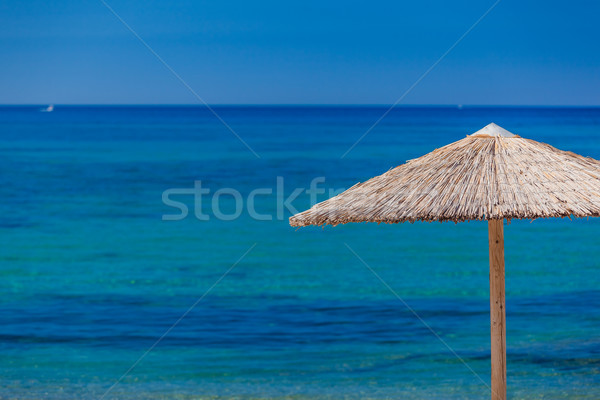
(92, 276)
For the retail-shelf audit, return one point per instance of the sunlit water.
(92, 277)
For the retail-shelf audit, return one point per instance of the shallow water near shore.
(92, 275)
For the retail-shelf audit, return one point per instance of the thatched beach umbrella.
(490, 175)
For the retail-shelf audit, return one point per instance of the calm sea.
(92, 275)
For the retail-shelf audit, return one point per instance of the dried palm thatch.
(491, 174)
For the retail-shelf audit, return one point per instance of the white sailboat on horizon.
(50, 108)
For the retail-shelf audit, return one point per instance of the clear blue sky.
(277, 52)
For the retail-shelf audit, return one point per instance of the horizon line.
(299, 105)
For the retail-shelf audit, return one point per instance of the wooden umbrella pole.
(497, 309)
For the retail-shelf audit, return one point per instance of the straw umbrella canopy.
(490, 175)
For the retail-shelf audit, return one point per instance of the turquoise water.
(92, 275)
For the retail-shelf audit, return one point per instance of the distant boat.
(50, 108)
